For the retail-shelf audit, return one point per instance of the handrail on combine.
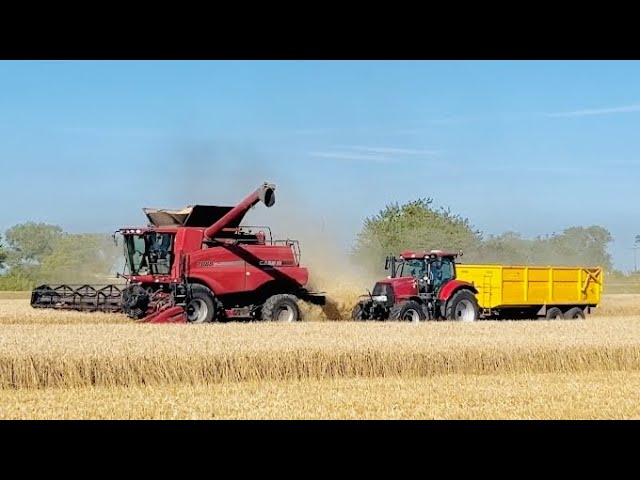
(295, 244)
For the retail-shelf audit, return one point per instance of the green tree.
(415, 225)
(580, 246)
(508, 247)
(574, 246)
(30, 243)
(80, 258)
(3, 254)
(39, 252)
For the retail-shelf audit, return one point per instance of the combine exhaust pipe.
(265, 194)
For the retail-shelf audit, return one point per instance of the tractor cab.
(431, 269)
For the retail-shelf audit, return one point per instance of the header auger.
(198, 265)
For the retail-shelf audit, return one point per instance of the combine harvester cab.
(198, 265)
(431, 285)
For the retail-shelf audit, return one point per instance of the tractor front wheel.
(408, 311)
(358, 313)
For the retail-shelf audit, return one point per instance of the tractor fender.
(452, 287)
(404, 298)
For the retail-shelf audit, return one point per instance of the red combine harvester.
(198, 265)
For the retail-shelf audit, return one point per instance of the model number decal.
(206, 263)
(240, 263)
(211, 263)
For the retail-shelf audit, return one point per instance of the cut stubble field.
(78, 365)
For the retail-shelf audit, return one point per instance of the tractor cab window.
(149, 253)
(441, 270)
(413, 268)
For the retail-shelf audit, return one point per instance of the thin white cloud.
(635, 107)
(126, 132)
(394, 151)
(354, 156)
(537, 169)
(312, 131)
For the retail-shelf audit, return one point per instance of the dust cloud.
(331, 269)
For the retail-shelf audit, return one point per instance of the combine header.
(198, 265)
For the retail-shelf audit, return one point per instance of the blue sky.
(530, 146)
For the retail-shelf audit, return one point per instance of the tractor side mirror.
(386, 263)
(115, 238)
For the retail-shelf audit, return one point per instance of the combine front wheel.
(202, 306)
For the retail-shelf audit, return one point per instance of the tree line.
(33, 253)
(418, 225)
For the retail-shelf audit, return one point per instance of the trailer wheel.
(463, 307)
(281, 308)
(574, 313)
(408, 311)
(554, 313)
(203, 306)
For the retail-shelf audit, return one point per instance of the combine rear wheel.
(281, 308)
(203, 306)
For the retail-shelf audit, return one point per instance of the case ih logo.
(271, 263)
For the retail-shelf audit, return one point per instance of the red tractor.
(422, 286)
(198, 265)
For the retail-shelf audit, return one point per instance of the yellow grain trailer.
(524, 291)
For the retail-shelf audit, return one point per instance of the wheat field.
(593, 395)
(79, 365)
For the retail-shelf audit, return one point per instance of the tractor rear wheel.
(574, 313)
(408, 311)
(202, 306)
(281, 308)
(463, 307)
